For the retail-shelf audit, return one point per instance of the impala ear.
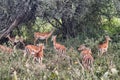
(81, 47)
(54, 36)
(108, 38)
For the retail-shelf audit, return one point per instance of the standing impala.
(37, 51)
(32, 49)
(42, 36)
(103, 47)
(61, 49)
(39, 55)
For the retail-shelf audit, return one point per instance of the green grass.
(67, 68)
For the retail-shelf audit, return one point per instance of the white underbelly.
(42, 38)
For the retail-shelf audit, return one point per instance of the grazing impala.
(15, 40)
(39, 55)
(42, 36)
(84, 50)
(103, 47)
(61, 49)
(6, 49)
(86, 54)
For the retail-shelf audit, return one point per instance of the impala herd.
(37, 50)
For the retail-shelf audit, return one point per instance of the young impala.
(39, 55)
(87, 61)
(42, 36)
(84, 50)
(37, 51)
(61, 49)
(32, 49)
(15, 40)
(86, 54)
(6, 49)
(103, 47)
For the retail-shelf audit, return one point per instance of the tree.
(16, 12)
(70, 17)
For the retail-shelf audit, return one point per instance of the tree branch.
(12, 26)
(50, 22)
(58, 21)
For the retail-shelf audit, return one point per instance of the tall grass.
(15, 67)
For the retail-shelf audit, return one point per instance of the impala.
(87, 61)
(86, 54)
(15, 40)
(42, 36)
(32, 49)
(61, 49)
(6, 49)
(37, 51)
(39, 55)
(84, 50)
(103, 47)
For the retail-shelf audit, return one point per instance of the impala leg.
(105, 51)
(28, 58)
(41, 60)
(46, 41)
(102, 51)
(34, 59)
(99, 52)
(35, 41)
(25, 52)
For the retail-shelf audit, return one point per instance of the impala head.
(108, 38)
(53, 38)
(81, 47)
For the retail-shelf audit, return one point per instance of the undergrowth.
(16, 67)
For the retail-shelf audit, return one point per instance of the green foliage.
(89, 18)
(111, 26)
(28, 31)
(41, 25)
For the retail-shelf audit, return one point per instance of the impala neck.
(42, 49)
(54, 41)
(107, 41)
(51, 32)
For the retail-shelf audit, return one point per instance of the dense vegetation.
(76, 22)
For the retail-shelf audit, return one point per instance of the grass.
(15, 67)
